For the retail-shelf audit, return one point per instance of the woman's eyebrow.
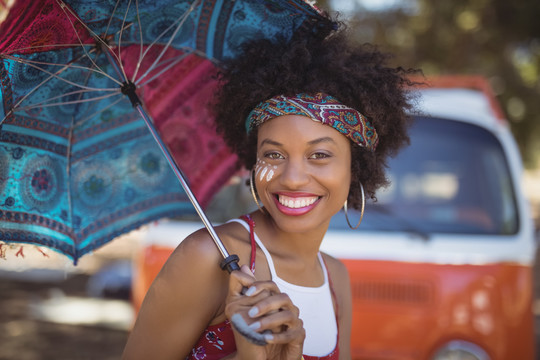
(270, 142)
(320, 140)
(311, 142)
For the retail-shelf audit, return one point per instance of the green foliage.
(498, 39)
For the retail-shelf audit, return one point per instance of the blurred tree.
(498, 39)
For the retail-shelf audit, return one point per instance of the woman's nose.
(294, 174)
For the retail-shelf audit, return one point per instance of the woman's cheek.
(264, 171)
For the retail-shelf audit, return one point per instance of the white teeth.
(295, 203)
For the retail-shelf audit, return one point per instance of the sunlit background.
(499, 39)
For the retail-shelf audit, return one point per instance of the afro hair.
(319, 59)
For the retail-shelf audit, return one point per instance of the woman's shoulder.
(334, 264)
(337, 271)
(200, 249)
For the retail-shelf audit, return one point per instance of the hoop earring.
(252, 188)
(361, 211)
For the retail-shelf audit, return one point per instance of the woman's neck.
(301, 247)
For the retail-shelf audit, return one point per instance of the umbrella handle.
(230, 263)
(243, 328)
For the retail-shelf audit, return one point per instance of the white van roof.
(464, 98)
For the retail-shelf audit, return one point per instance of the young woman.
(315, 120)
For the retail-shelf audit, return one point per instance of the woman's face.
(303, 172)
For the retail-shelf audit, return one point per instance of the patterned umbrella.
(99, 97)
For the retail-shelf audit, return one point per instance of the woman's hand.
(265, 310)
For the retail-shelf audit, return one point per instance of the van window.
(453, 178)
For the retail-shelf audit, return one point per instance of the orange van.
(441, 266)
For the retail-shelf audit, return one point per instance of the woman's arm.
(342, 288)
(183, 299)
(275, 313)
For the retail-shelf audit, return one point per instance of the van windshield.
(453, 178)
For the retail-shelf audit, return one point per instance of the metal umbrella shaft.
(230, 262)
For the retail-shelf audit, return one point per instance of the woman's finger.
(270, 304)
(240, 280)
(277, 321)
(290, 336)
(261, 286)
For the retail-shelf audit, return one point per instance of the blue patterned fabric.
(78, 166)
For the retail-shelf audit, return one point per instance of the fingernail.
(253, 311)
(255, 325)
(251, 291)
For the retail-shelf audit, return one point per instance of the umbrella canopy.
(78, 165)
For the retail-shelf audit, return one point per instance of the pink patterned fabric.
(179, 105)
(32, 25)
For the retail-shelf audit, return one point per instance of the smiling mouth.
(296, 202)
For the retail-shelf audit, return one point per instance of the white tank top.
(315, 304)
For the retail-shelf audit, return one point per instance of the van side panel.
(418, 307)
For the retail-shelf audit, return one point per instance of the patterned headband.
(322, 108)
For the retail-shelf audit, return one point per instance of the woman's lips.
(295, 204)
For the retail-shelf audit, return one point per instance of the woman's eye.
(273, 156)
(319, 155)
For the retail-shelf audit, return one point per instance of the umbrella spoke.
(65, 67)
(181, 20)
(171, 63)
(80, 122)
(125, 78)
(76, 92)
(99, 40)
(48, 46)
(96, 37)
(141, 44)
(66, 8)
(44, 104)
(112, 104)
(49, 78)
(110, 19)
(35, 63)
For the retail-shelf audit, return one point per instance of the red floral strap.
(247, 218)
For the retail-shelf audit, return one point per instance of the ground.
(22, 338)
(27, 335)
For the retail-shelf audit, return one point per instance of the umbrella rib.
(37, 47)
(69, 148)
(83, 120)
(82, 92)
(34, 64)
(55, 75)
(138, 66)
(181, 20)
(94, 35)
(172, 61)
(44, 104)
(120, 41)
(43, 82)
(110, 18)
